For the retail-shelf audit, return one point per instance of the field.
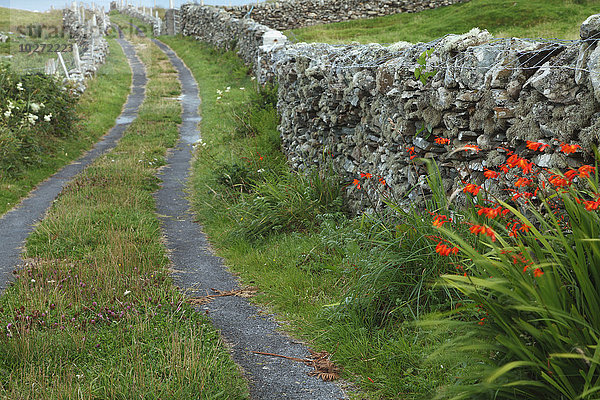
(503, 18)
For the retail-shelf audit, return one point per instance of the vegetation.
(515, 18)
(57, 142)
(94, 313)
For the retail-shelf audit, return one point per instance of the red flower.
(585, 170)
(570, 174)
(522, 182)
(439, 221)
(367, 175)
(489, 174)
(382, 181)
(492, 213)
(535, 146)
(569, 148)
(558, 181)
(356, 183)
(441, 140)
(513, 161)
(444, 250)
(483, 229)
(538, 272)
(525, 165)
(472, 188)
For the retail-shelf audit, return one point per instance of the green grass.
(109, 89)
(124, 22)
(11, 18)
(302, 271)
(503, 18)
(95, 314)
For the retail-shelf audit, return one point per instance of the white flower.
(20, 86)
(10, 105)
(242, 88)
(228, 89)
(260, 171)
(42, 105)
(219, 91)
(34, 107)
(219, 98)
(252, 78)
(126, 292)
(32, 118)
(7, 113)
(47, 117)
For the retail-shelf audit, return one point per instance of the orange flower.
(483, 229)
(382, 181)
(444, 250)
(492, 213)
(367, 175)
(569, 148)
(489, 174)
(472, 188)
(439, 221)
(356, 183)
(525, 165)
(585, 170)
(558, 181)
(513, 161)
(441, 140)
(522, 182)
(570, 174)
(590, 205)
(535, 146)
(411, 152)
(538, 272)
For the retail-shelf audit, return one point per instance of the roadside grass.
(514, 18)
(13, 18)
(109, 89)
(93, 313)
(321, 273)
(124, 22)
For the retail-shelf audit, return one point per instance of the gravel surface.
(18, 223)
(196, 270)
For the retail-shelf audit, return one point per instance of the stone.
(590, 28)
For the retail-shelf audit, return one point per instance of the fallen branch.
(324, 368)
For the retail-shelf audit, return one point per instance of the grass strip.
(109, 89)
(93, 313)
(307, 268)
(514, 18)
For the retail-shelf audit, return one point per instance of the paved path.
(18, 223)
(244, 327)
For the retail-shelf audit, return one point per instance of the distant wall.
(144, 15)
(361, 108)
(289, 14)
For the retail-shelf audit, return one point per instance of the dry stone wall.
(361, 108)
(146, 15)
(87, 28)
(290, 14)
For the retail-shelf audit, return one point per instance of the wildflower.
(242, 88)
(47, 117)
(569, 148)
(483, 230)
(20, 86)
(536, 146)
(538, 272)
(367, 175)
(356, 183)
(522, 182)
(252, 78)
(585, 170)
(489, 174)
(411, 152)
(558, 181)
(472, 188)
(382, 181)
(525, 165)
(591, 205)
(570, 174)
(472, 147)
(441, 140)
(7, 113)
(34, 107)
(444, 250)
(492, 213)
(219, 92)
(439, 221)
(32, 118)
(218, 97)
(513, 161)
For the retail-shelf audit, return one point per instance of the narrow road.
(196, 270)
(17, 224)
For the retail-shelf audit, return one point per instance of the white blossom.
(34, 107)
(20, 86)
(47, 117)
(32, 118)
(7, 113)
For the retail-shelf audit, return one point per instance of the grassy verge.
(515, 18)
(94, 313)
(124, 22)
(110, 89)
(351, 286)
